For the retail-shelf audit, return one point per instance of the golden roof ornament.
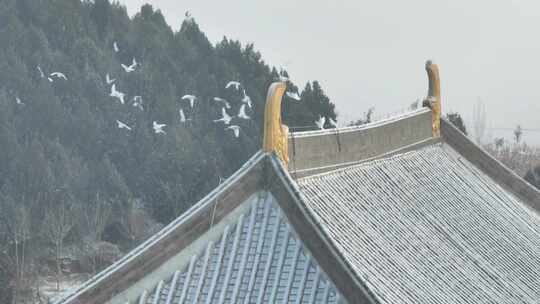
(276, 135)
(433, 100)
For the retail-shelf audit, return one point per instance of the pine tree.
(533, 177)
(457, 121)
(62, 145)
(100, 14)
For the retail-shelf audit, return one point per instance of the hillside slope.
(70, 177)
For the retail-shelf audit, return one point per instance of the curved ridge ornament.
(276, 135)
(433, 100)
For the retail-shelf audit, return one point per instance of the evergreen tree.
(100, 14)
(60, 141)
(533, 176)
(457, 121)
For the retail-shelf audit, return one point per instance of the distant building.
(402, 210)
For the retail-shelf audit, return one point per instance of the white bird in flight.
(138, 103)
(18, 101)
(191, 99)
(246, 99)
(41, 74)
(332, 122)
(226, 118)
(59, 75)
(320, 122)
(182, 115)
(115, 47)
(130, 68)
(122, 125)
(242, 113)
(158, 128)
(294, 96)
(236, 84)
(235, 129)
(109, 79)
(224, 101)
(117, 94)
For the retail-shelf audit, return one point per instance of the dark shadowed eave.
(258, 258)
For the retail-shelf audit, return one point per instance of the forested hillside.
(84, 175)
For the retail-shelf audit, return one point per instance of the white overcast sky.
(372, 53)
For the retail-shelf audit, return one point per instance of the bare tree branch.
(58, 222)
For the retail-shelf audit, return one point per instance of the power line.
(512, 129)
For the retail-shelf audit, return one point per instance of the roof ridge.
(385, 120)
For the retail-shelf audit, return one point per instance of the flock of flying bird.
(50, 77)
(158, 128)
(190, 99)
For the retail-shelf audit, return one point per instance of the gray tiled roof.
(428, 227)
(257, 259)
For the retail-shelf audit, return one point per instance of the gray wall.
(319, 151)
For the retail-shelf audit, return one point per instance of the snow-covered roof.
(406, 218)
(428, 227)
(257, 259)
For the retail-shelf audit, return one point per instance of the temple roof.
(428, 227)
(257, 259)
(433, 220)
(404, 210)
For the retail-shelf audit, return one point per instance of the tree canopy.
(457, 121)
(60, 140)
